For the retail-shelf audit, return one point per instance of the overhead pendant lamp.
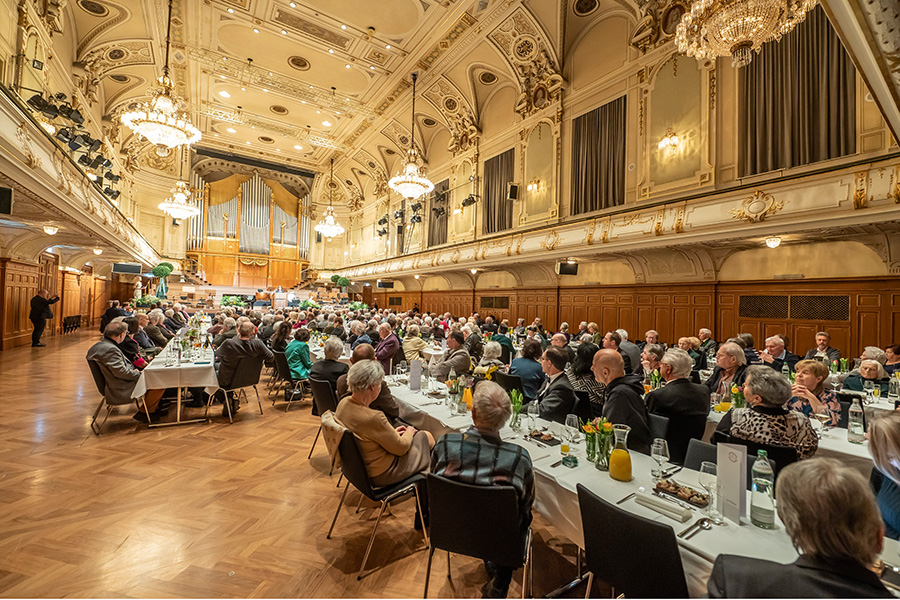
(160, 121)
(329, 226)
(178, 206)
(410, 182)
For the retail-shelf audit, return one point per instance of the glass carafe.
(619, 458)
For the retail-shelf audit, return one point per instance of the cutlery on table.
(535, 442)
(704, 524)
(680, 503)
(696, 524)
(626, 498)
(556, 464)
(671, 471)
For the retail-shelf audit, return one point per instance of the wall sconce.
(474, 271)
(415, 276)
(669, 141)
(773, 242)
(457, 210)
(98, 251)
(535, 185)
(51, 229)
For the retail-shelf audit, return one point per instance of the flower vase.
(603, 448)
(515, 421)
(590, 444)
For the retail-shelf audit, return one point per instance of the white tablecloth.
(318, 353)
(158, 376)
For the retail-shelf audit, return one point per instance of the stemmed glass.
(659, 452)
(572, 427)
(823, 416)
(534, 411)
(710, 483)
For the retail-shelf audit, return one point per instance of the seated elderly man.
(830, 514)
(766, 420)
(556, 398)
(387, 347)
(171, 323)
(390, 454)
(479, 457)
(612, 341)
(686, 404)
(650, 337)
(776, 356)
(560, 341)
(330, 368)
(823, 349)
(141, 336)
(385, 402)
(707, 343)
(227, 333)
(730, 369)
(244, 344)
(267, 328)
(624, 404)
(632, 350)
(359, 330)
(650, 358)
(455, 357)
(118, 372)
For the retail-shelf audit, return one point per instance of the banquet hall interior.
(638, 164)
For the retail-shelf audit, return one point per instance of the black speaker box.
(6, 200)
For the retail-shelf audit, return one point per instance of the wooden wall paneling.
(895, 318)
(87, 289)
(499, 313)
(100, 296)
(367, 294)
(19, 282)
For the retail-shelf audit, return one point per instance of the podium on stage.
(280, 300)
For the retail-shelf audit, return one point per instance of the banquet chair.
(287, 380)
(324, 400)
(509, 382)
(493, 534)
(659, 426)
(100, 382)
(623, 564)
(245, 375)
(779, 456)
(582, 408)
(699, 451)
(682, 429)
(354, 469)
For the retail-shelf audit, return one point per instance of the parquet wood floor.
(204, 510)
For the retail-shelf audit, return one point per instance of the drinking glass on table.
(534, 411)
(659, 452)
(869, 389)
(572, 426)
(710, 482)
(823, 416)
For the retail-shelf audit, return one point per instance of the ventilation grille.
(395, 301)
(820, 308)
(764, 307)
(495, 302)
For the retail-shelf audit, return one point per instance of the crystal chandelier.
(736, 27)
(178, 206)
(329, 226)
(410, 182)
(160, 121)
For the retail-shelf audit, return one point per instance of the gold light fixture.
(668, 141)
(773, 241)
(51, 229)
(735, 28)
(160, 121)
(410, 182)
(535, 185)
(329, 226)
(178, 206)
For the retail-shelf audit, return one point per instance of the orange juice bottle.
(619, 459)
(467, 398)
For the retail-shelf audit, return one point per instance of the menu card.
(731, 471)
(415, 375)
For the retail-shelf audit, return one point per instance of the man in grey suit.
(556, 398)
(455, 357)
(632, 350)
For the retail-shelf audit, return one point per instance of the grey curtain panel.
(797, 100)
(498, 172)
(437, 226)
(598, 158)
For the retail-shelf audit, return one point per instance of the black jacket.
(233, 350)
(712, 384)
(807, 577)
(789, 357)
(40, 308)
(680, 398)
(624, 406)
(556, 399)
(833, 354)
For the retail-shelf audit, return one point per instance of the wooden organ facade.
(251, 232)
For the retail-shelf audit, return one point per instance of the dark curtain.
(498, 173)
(598, 158)
(797, 100)
(437, 226)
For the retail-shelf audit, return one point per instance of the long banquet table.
(556, 497)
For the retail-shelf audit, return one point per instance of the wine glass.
(869, 389)
(709, 481)
(823, 416)
(534, 411)
(659, 452)
(572, 427)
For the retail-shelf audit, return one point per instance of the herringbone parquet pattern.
(204, 510)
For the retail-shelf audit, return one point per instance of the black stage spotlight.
(439, 211)
(37, 102)
(72, 114)
(416, 207)
(60, 96)
(82, 139)
(84, 160)
(398, 214)
(94, 145)
(64, 135)
(113, 194)
(415, 219)
(469, 201)
(112, 177)
(98, 160)
(383, 220)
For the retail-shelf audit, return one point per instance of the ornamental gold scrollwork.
(31, 159)
(259, 262)
(757, 207)
(551, 241)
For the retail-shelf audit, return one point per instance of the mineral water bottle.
(894, 388)
(856, 431)
(786, 371)
(762, 502)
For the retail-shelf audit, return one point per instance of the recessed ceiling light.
(387, 47)
(298, 147)
(348, 66)
(372, 68)
(343, 27)
(248, 143)
(265, 90)
(231, 10)
(337, 112)
(255, 30)
(283, 32)
(303, 102)
(224, 94)
(221, 77)
(98, 251)
(326, 123)
(330, 51)
(318, 112)
(293, 5)
(243, 89)
(277, 149)
(231, 130)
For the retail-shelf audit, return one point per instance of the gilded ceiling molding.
(122, 15)
(454, 107)
(25, 144)
(755, 208)
(860, 193)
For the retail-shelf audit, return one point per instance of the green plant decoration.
(162, 270)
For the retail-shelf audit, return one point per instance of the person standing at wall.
(40, 312)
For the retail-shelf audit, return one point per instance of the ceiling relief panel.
(307, 27)
(375, 170)
(115, 16)
(398, 134)
(530, 53)
(458, 113)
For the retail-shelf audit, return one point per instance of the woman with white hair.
(869, 370)
(330, 368)
(731, 368)
(490, 358)
(391, 453)
(413, 344)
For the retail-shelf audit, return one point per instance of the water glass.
(534, 411)
(659, 452)
(572, 428)
(710, 483)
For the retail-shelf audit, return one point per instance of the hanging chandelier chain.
(412, 129)
(168, 41)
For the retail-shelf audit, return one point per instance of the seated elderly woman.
(297, 355)
(650, 357)
(391, 453)
(528, 368)
(413, 344)
(869, 370)
(809, 393)
(766, 420)
(832, 519)
(884, 443)
(490, 359)
(582, 378)
(330, 368)
(691, 345)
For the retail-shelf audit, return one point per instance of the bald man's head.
(362, 352)
(608, 365)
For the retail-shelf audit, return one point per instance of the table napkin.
(664, 507)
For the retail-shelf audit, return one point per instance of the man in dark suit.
(158, 334)
(243, 345)
(114, 311)
(823, 349)
(685, 404)
(556, 398)
(776, 356)
(613, 341)
(830, 514)
(623, 405)
(40, 312)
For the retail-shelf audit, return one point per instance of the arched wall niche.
(495, 279)
(497, 114)
(856, 260)
(539, 185)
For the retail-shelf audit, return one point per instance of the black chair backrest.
(281, 366)
(99, 378)
(509, 382)
(247, 372)
(683, 429)
(493, 534)
(779, 456)
(505, 354)
(582, 406)
(699, 451)
(353, 465)
(614, 557)
(844, 419)
(323, 395)
(695, 377)
(659, 426)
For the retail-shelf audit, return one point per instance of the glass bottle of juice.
(619, 459)
(467, 398)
